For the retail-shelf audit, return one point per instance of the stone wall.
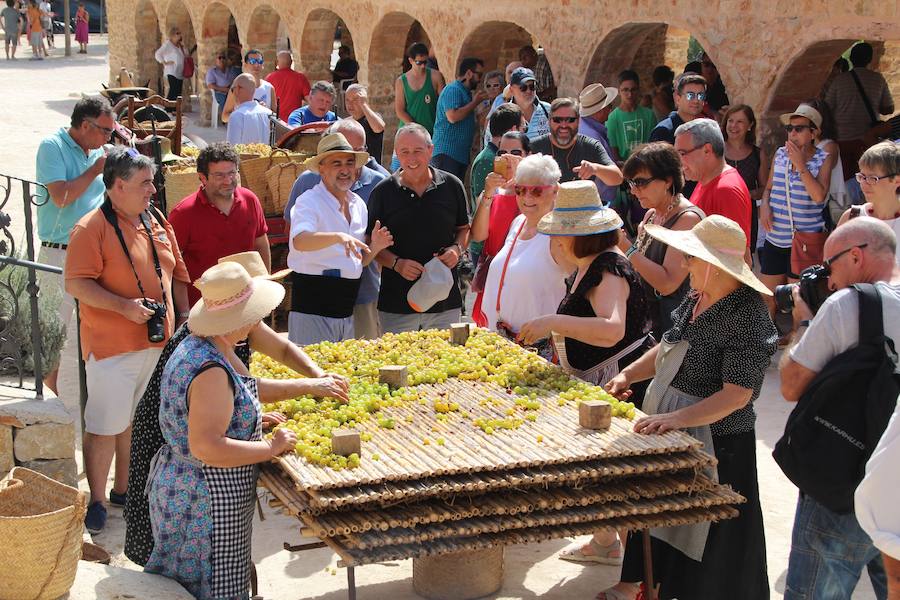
(39, 435)
(769, 53)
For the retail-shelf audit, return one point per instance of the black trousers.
(175, 85)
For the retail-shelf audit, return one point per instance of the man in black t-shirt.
(577, 155)
(425, 210)
(356, 99)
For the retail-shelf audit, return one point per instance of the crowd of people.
(34, 19)
(616, 234)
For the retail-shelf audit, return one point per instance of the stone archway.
(263, 35)
(219, 33)
(497, 43)
(177, 15)
(416, 35)
(147, 70)
(641, 47)
(318, 43)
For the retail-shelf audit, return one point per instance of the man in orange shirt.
(125, 269)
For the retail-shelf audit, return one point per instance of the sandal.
(601, 557)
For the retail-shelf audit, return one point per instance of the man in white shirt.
(327, 250)
(249, 123)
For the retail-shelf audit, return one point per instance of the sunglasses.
(872, 179)
(513, 152)
(527, 87)
(420, 62)
(799, 128)
(829, 261)
(254, 61)
(532, 190)
(559, 120)
(695, 96)
(640, 182)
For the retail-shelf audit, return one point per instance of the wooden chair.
(172, 132)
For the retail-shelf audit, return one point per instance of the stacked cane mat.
(441, 485)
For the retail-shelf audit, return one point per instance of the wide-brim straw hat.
(254, 265)
(579, 211)
(803, 110)
(595, 98)
(717, 240)
(231, 299)
(335, 143)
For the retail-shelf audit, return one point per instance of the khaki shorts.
(115, 386)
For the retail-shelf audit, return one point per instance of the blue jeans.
(445, 163)
(828, 553)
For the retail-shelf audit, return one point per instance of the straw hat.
(335, 143)
(253, 263)
(232, 299)
(579, 211)
(595, 98)
(804, 110)
(717, 240)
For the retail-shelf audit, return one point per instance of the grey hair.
(323, 86)
(416, 129)
(355, 87)
(704, 131)
(868, 230)
(538, 167)
(123, 163)
(342, 125)
(883, 154)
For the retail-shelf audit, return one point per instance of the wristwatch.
(394, 265)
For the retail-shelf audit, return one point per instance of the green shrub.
(17, 334)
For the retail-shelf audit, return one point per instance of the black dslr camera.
(813, 289)
(155, 329)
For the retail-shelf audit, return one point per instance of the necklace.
(643, 240)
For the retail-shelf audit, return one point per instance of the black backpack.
(841, 416)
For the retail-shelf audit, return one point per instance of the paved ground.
(38, 97)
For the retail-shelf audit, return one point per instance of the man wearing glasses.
(219, 219)
(70, 164)
(263, 92)
(690, 98)
(830, 550)
(577, 155)
(454, 124)
(219, 79)
(416, 91)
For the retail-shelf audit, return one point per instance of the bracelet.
(394, 266)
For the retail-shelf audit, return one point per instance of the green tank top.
(421, 104)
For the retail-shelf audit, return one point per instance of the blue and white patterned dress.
(202, 515)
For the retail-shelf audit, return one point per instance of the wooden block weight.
(345, 442)
(595, 414)
(459, 333)
(395, 376)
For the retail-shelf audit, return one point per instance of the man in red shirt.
(720, 188)
(221, 218)
(291, 87)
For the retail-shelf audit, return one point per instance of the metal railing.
(11, 355)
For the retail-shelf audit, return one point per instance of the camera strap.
(110, 215)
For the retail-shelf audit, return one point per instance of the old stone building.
(770, 54)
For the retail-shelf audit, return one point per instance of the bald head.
(878, 236)
(284, 59)
(244, 85)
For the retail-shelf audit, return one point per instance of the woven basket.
(179, 186)
(41, 521)
(280, 180)
(253, 173)
(459, 575)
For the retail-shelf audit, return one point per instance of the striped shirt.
(807, 215)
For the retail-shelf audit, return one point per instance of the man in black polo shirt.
(425, 210)
(577, 155)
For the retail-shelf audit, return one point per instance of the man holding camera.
(829, 550)
(124, 268)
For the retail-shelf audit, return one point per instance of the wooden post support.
(595, 414)
(345, 442)
(459, 333)
(394, 376)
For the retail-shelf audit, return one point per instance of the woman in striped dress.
(795, 195)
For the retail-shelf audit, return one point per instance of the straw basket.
(253, 173)
(179, 186)
(459, 575)
(280, 180)
(40, 527)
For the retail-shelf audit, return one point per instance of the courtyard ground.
(38, 98)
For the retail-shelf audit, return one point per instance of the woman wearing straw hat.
(147, 437)
(707, 371)
(202, 483)
(603, 322)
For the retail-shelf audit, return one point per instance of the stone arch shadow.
(177, 15)
(146, 20)
(318, 43)
(218, 32)
(497, 43)
(266, 33)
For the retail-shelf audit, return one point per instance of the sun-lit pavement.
(37, 98)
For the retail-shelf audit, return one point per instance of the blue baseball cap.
(521, 75)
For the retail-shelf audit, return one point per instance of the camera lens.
(784, 298)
